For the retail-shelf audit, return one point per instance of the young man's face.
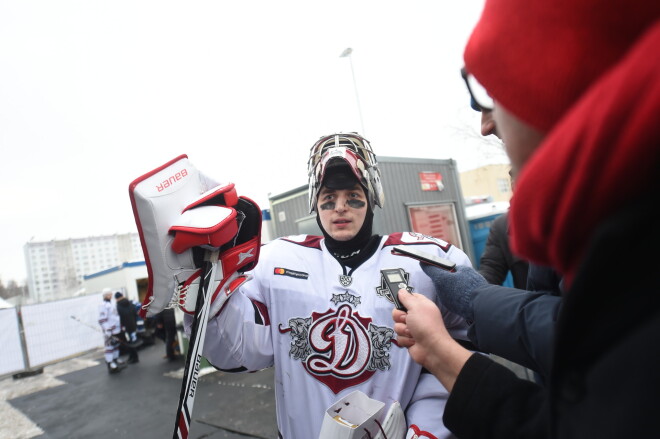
(342, 211)
(520, 139)
(488, 126)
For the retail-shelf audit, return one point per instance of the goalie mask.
(351, 150)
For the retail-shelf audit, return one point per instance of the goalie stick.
(197, 336)
(114, 337)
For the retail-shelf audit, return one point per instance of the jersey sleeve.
(459, 256)
(239, 338)
(424, 413)
(104, 318)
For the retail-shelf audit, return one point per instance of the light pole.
(347, 54)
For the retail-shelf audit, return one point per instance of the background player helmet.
(349, 149)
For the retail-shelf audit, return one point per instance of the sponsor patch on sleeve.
(291, 273)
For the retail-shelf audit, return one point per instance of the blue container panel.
(479, 229)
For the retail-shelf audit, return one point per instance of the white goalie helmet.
(356, 152)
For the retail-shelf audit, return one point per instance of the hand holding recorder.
(453, 284)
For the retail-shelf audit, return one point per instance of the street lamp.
(347, 54)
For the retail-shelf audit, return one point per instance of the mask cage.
(357, 153)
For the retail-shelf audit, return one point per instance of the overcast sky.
(94, 94)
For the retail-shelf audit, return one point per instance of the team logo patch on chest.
(339, 347)
(345, 280)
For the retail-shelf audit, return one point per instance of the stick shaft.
(119, 340)
(196, 343)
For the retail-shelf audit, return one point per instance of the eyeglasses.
(479, 98)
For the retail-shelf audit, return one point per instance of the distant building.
(266, 226)
(56, 268)
(487, 181)
(131, 278)
(487, 191)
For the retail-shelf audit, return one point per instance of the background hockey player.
(109, 321)
(318, 311)
(128, 334)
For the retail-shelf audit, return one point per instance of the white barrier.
(11, 359)
(50, 332)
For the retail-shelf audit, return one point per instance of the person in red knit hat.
(575, 93)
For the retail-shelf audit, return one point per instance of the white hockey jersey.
(329, 331)
(109, 318)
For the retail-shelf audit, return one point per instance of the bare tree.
(12, 289)
(489, 148)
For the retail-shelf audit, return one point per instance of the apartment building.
(55, 269)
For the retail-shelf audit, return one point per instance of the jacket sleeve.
(542, 278)
(489, 401)
(495, 259)
(515, 324)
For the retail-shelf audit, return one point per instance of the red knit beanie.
(536, 58)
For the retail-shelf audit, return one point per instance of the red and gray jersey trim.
(310, 241)
(261, 316)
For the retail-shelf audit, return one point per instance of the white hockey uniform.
(329, 331)
(110, 323)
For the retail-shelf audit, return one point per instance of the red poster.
(431, 181)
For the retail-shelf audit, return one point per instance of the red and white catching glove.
(181, 213)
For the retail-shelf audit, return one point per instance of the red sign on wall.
(431, 181)
(437, 220)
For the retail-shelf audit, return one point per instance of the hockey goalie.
(315, 308)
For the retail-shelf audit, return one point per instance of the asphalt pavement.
(78, 398)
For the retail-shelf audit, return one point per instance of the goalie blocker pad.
(179, 213)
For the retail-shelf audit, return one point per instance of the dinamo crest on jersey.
(339, 347)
